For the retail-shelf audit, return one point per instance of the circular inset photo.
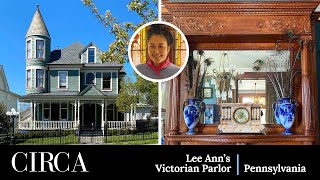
(158, 51)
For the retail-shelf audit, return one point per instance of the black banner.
(156, 160)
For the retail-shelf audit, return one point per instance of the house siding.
(73, 80)
(8, 100)
(98, 54)
(114, 82)
(84, 57)
(98, 80)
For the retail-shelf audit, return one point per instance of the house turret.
(38, 47)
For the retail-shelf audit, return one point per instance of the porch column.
(32, 116)
(305, 60)
(74, 114)
(102, 115)
(78, 113)
(131, 112)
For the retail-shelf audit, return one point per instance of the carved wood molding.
(299, 24)
(235, 25)
(241, 7)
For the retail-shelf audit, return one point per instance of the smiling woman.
(158, 52)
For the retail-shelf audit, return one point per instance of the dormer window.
(91, 55)
(90, 78)
(40, 49)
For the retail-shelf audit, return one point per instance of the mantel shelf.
(254, 139)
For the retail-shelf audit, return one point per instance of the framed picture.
(207, 92)
(208, 114)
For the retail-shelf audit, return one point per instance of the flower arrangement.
(281, 73)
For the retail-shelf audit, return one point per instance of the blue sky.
(67, 21)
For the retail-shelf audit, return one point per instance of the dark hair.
(160, 29)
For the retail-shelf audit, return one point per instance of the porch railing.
(46, 125)
(50, 125)
(121, 124)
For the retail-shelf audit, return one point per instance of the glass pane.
(91, 55)
(28, 49)
(54, 112)
(46, 105)
(90, 78)
(106, 80)
(40, 74)
(40, 49)
(64, 113)
(106, 85)
(91, 51)
(62, 79)
(110, 115)
(63, 105)
(46, 113)
(28, 78)
(91, 59)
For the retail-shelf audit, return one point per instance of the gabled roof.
(91, 90)
(68, 55)
(72, 55)
(3, 80)
(85, 48)
(37, 26)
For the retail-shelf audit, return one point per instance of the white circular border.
(181, 68)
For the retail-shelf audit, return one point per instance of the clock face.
(241, 115)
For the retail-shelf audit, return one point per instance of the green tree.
(146, 11)
(118, 49)
(149, 91)
(126, 96)
(4, 119)
(141, 90)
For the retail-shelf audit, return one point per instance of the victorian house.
(68, 88)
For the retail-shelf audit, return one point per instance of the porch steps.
(92, 137)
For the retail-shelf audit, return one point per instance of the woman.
(158, 66)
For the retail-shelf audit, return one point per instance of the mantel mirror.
(232, 77)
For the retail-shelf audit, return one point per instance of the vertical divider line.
(237, 164)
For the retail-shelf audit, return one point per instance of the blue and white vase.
(274, 105)
(285, 110)
(192, 113)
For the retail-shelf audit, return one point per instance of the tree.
(132, 92)
(4, 119)
(118, 49)
(150, 92)
(126, 96)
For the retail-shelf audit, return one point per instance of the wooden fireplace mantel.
(245, 25)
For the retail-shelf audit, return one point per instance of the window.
(54, 112)
(29, 49)
(63, 79)
(64, 111)
(90, 78)
(29, 78)
(110, 112)
(46, 111)
(40, 78)
(106, 84)
(40, 49)
(91, 57)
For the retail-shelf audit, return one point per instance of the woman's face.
(158, 48)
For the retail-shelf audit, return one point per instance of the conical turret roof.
(37, 26)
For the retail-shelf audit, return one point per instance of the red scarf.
(161, 66)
